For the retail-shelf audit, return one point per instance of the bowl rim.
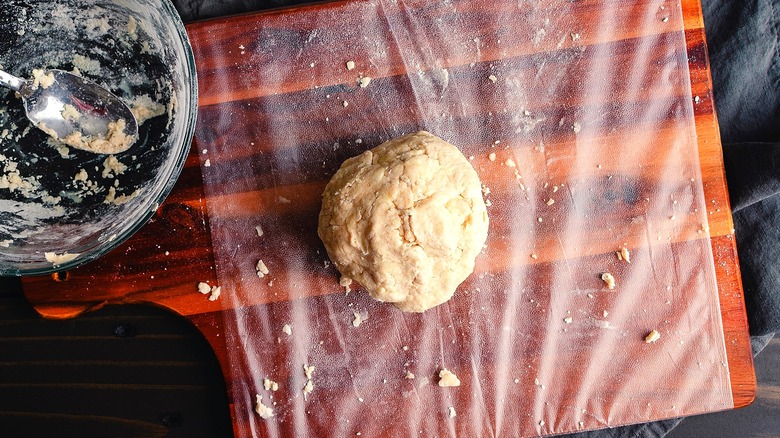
(192, 115)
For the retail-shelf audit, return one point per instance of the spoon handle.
(11, 81)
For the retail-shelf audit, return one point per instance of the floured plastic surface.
(591, 100)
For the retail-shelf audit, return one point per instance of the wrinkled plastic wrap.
(590, 100)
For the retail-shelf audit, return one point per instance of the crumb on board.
(492, 156)
(360, 318)
(451, 412)
(624, 255)
(261, 268)
(550, 201)
(493, 78)
(653, 336)
(568, 320)
(447, 378)
(287, 329)
(364, 81)
(204, 288)
(409, 375)
(215, 292)
(308, 371)
(264, 411)
(259, 231)
(345, 104)
(345, 282)
(270, 385)
(609, 280)
(510, 163)
(350, 65)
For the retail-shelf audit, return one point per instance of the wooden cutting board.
(262, 75)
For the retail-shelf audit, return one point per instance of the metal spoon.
(61, 104)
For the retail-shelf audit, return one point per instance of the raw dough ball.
(406, 220)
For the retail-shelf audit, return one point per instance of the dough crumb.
(345, 104)
(492, 156)
(59, 259)
(259, 231)
(451, 412)
(360, 318)
(270, 385)
(568, 320)
(624, 255)
(409, 375)
(653, 336)
(576, 127)
(364, 81)
(264, 411)
(550, 201)
(287, 329)
(492, 78)
(345, 282)
(308, 371)
(213, 291)
(609, 280)
(350, 65)
(207, 163)
(510, 163)
(447, 378)
(42, 80)
(308, 389)
(261, 268)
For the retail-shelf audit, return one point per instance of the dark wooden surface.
(140, 271)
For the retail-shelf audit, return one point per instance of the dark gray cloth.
(743, 45)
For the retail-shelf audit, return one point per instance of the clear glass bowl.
(73, 204)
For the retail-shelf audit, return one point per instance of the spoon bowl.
(77, 111)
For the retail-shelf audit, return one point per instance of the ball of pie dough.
(405, 220)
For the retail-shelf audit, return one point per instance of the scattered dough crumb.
(204, 288)
(307, 389)
(345, 282)
(493, 78)
(42, 80)
(207, 163)
(448, 378)
(510, 163)
(492, 156)
(308, 371)
(550, 201)
(215, 291)
(261, 268)
(59, 259)
(576, 127)
(652, 337)
(350, 65)
(360, 317)
(259, 231)
(287, 329)
(364, 81)
(409, 375)
(609, 280)
(605, 314)
(624, 255)
(451, 412)
(345, 104)
(270, 385)
(264, 411)
(568, 320)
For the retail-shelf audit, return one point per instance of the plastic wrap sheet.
(591, 100)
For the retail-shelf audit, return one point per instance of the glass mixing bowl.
(61, 207)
